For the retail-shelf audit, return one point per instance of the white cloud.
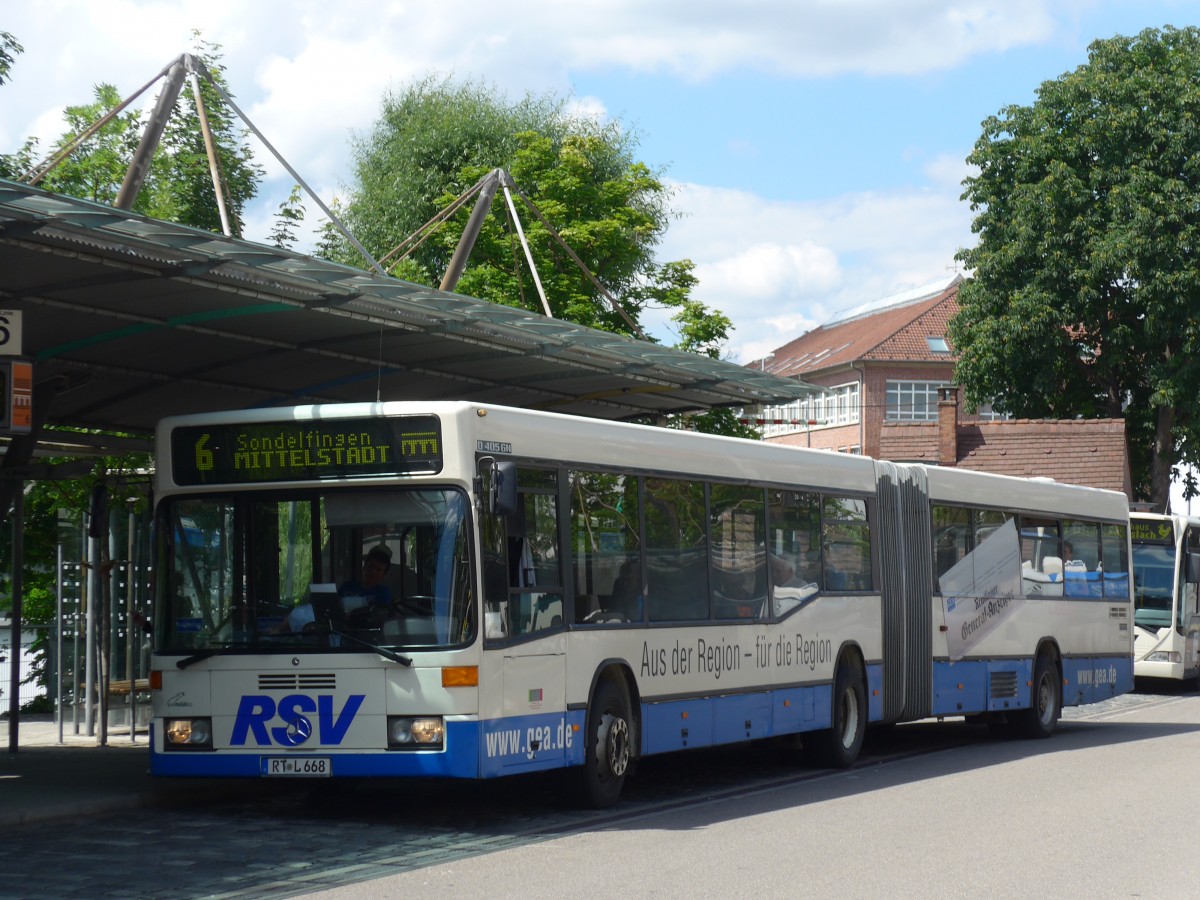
(771, 269)
(701, 38)
(779, 268)
(948, 171)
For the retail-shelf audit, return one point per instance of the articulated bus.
(470, 591)
(1166, 615)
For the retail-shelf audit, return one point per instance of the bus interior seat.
(585, 605)
(1052, 565)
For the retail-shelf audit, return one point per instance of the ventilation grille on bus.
(297, 681)
(1004, 685)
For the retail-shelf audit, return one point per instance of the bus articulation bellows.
(469, 591)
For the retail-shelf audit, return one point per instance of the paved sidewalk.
(45, 780)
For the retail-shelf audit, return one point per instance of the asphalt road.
(1102, 809)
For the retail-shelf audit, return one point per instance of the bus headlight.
(415, 733)
(188, 734)
(1167, 656)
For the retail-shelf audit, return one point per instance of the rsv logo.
(294, 710)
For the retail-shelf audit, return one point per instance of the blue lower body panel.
(670, 725)
(532, 743)
(969, 687)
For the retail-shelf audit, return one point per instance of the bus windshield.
(327, 570)
(1154, 583)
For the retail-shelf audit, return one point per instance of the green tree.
(9, 48)
(96, 169)
(1085, 278)
(12, 164)
(436, 140)
(183, 171)
(287, 219)
(178, 185)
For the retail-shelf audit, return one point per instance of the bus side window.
(1115, 560)
(737, 534)
(676, 550)
(606, 556)
(847, 544)
(1041, 557)
(794, 547)
(1082, 572)
(951, 538)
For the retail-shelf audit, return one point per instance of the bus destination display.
(1145, 531)
(305, 451)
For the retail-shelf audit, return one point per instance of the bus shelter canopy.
(134, 319)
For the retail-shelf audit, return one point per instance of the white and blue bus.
(466, 590)
(1166, 615)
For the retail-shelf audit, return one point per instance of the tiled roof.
(893, 332)
(1076, 451)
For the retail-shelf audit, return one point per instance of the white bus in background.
(575, 593)
(1166, 569)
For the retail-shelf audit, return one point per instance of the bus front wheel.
(838, 747)
(608, 750)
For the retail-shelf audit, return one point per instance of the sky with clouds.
(815, 147)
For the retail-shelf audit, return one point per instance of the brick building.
(886, 372)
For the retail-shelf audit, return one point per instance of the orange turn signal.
(156, 679)
(460, 676)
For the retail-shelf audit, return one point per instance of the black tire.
(609, 747)
(839, 746)
(1045, 702)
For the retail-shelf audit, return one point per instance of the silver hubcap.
(613, 746)
(849, 718)
(1045, 700)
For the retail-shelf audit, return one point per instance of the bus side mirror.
(1193, 568)
(499, 486)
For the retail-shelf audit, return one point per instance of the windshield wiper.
(382, 651)
(213, 651)
(195, 658)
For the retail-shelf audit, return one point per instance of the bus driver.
(359, 598)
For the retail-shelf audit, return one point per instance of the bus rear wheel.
(839, 746)
(609, 747)
(1045, 706)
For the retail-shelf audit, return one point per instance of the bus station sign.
(16, 396)
(10, 332)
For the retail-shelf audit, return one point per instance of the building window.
(937, 345)
(833, 406)
(913, 401)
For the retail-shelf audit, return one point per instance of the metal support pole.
(528, 253)
(58, 648)
(75, 637)
(130, 674)
(135, 175)
(483, 205)
(18, 566)
(211, 151)
(91, 598)
(108, 601)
